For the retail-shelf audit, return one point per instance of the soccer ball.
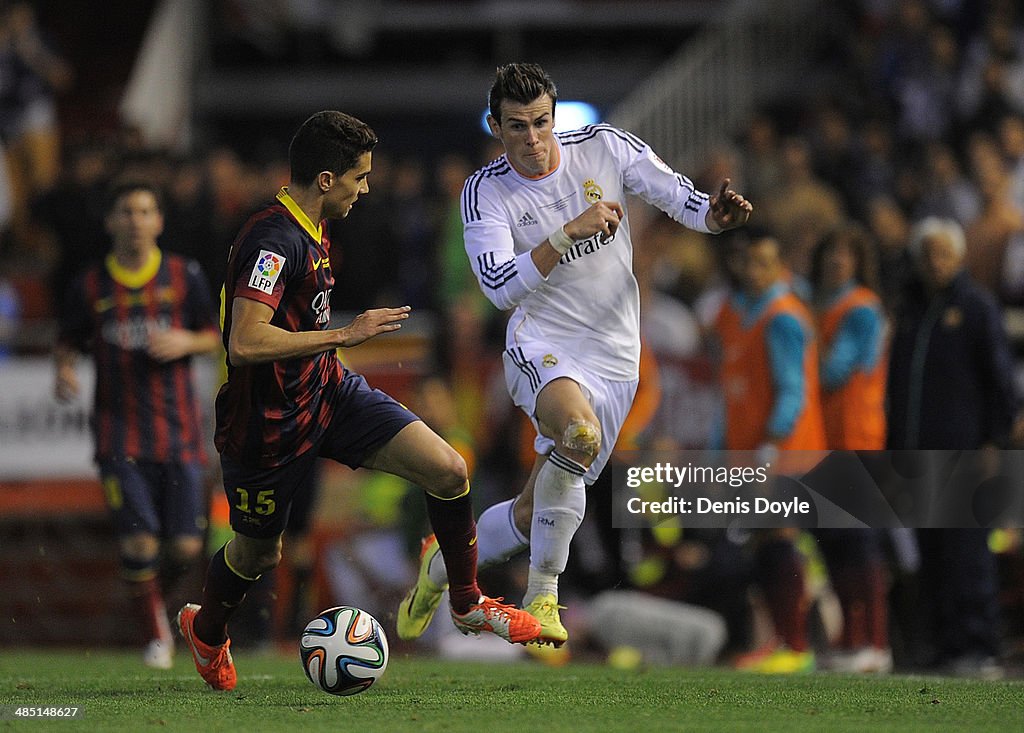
(344, 650)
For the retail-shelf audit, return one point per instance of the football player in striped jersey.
(142, 314)
(289, 400)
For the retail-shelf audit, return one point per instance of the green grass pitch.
(424, 694)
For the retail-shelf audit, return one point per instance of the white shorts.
(531, 365)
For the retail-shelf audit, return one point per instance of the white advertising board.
(39, 436)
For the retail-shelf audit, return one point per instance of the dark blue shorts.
(303, 503)
(162, 499)
(261, 499)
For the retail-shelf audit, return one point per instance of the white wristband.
(560, 241)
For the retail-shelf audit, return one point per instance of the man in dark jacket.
(951, 387)
(951, 371)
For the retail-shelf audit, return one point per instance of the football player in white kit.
(547, 235)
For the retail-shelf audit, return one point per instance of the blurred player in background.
(142, 314)
(547, 235)
(288, 399)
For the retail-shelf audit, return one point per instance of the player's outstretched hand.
(373, 323)
(601, 218)
(728, 209)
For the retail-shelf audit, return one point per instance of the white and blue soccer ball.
(344, 650)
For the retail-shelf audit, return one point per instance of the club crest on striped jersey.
(549, 360)
(591, 191)
(266, 271)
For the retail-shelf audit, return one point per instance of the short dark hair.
(862, 247)
(122, 188)
(328, 141)
(521, 83)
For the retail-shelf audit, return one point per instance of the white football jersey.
(590, 303)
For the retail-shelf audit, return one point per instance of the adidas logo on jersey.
(526, 220)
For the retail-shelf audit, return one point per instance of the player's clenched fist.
(601, 218)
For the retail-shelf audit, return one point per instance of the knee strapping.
(583, 436)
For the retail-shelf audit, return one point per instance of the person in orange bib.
(769, 366)
(769, 375)
(852, 331)
(854, 362)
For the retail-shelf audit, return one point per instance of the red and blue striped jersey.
(268, 414)
(143, 408)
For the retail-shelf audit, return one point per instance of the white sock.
(498, 540)
(559, 500)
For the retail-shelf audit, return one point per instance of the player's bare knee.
(253, 558)
(581, 440)
(450, 476)
(256, 564)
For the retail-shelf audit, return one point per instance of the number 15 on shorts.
(259, 502)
